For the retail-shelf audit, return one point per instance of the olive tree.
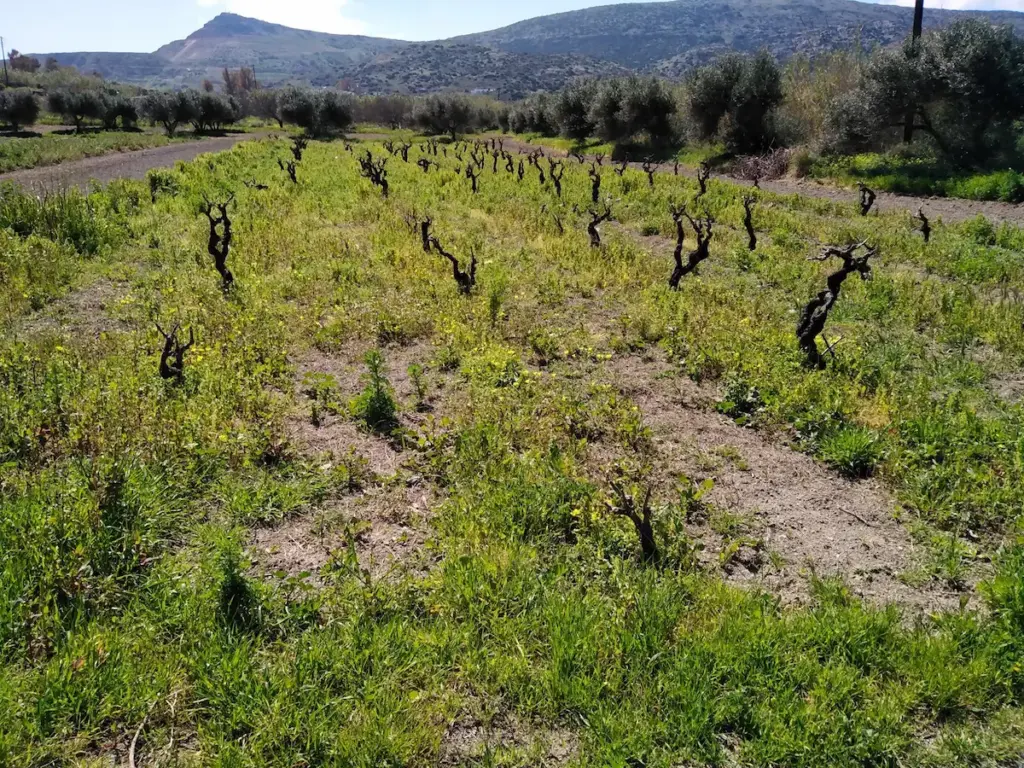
(319, 113)
(964, 84)
(298, 107)
(265, 104)
(170, 110)
(571, 109)
(448, 113)
(76, 106)
(335, 113)
(647, 108)
(606, 111)
(117, 107)
(212, 111)
(18, 108)
(394, 111)
(736, 98)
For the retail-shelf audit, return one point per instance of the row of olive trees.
(326, 112)
(615, 110)
(319, 113)
(77, 106)
(19, 107)
(203, 111)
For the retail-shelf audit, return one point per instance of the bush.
(18, 108)
(77, 106)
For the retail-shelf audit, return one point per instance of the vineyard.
(420, 453)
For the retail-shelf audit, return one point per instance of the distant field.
(52, 149)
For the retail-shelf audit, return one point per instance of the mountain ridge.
(542, 53)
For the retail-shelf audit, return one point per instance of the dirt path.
(120, 165)
(946, 208)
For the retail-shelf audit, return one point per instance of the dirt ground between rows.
(815, 521)
(388, 522)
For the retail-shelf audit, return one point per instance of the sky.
(145, 25)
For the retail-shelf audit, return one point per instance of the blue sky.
(144, 25)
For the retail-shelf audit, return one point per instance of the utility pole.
(3, 55)
(915, 44)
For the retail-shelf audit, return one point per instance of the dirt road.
(120, 165)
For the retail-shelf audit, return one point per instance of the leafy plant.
(855, 451)
(376, 406)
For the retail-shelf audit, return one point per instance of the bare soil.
(388, 526)
(82, 314)
(812, 519)
(389, 523)
(470, 739)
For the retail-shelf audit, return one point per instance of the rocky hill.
(666, 38)
(677, 34)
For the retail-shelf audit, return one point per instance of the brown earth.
(388, 524)
(470, 740)
(804, 518)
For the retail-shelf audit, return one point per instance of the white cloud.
(316, 15)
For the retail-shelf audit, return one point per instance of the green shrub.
(376, 405)
(66, 216)
(854, 451)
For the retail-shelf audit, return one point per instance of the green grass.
(921, 176)
(127, 503)
(690, 154)
(588, 146)
(51, 149)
